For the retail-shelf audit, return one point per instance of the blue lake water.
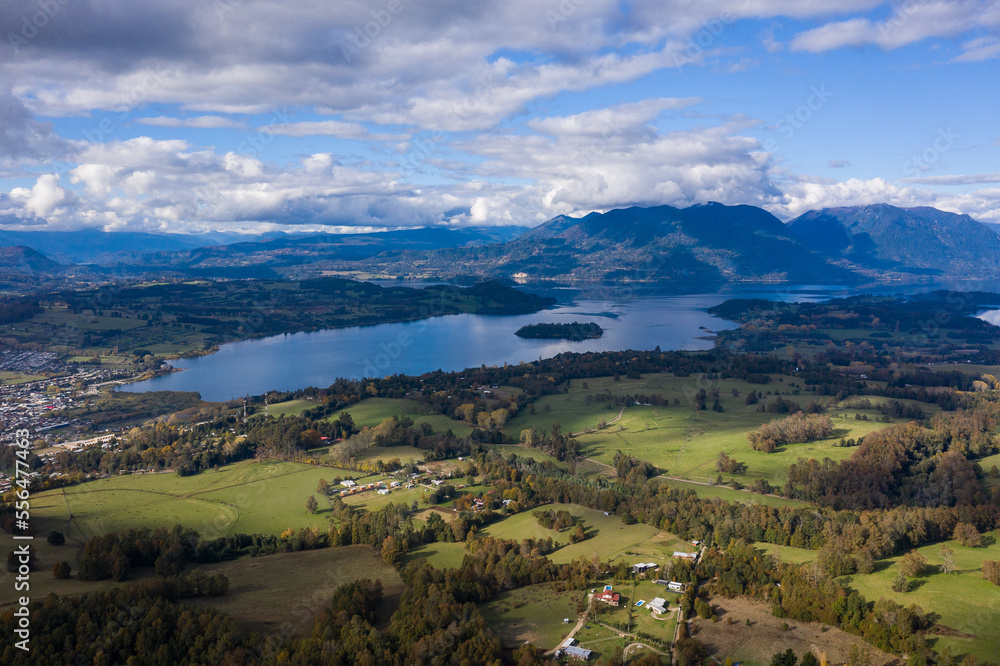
(631, 318)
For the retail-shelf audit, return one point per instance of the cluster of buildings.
(381, 487)
(29, 405)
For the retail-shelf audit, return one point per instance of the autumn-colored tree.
(61, 570)
(912, 564)
(967, 535)
(391, 550)
(991, 571)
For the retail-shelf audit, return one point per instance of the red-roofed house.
(608, 597)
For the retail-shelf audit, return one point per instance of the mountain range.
(704, 242)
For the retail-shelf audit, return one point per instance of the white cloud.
(909, 22)
(336, 128)
(42, 199)
(199, 122)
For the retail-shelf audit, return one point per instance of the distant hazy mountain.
(663, 243)
(96, 246)
(26, 261)
(315, 251)
(908, 240)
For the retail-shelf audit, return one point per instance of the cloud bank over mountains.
(257, 115)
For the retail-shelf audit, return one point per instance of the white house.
(347, 483)
(658, 605)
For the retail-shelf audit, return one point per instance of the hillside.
(709, 242)
(921, 240)
(296, 253)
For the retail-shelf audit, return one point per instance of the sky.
(315, 115)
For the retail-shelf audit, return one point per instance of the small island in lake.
(576, 331)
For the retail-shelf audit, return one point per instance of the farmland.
(754, 644)
(682, 440)
(974, 621)
(534, 613)
(281, 593)
(246, 497)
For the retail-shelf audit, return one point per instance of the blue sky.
(256, 115)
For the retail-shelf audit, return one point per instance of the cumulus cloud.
(43, 199)
(446, 97)
(909, 22)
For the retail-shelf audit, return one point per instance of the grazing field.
(290, 407)
(406, 454)
(787, 554)
(247, 497)
(703, 489)
(685, 441)
(281, 593)
(975, 618)
(533, 614)
(371, 412)
(8, 377)
(754, 645)
(607, 536)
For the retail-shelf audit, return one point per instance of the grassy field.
(290, 407)
(245, 497)
(282, 593)
(607, 536)
(787, 554)
(755, 644)
(8, 377)
(682, 440)
(276, 593)
(731, 494)
(533, 614)
(976, 614)
(371, 412)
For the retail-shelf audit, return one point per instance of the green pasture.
(961, 601)
(372, 411)
(8, 377)
(681, 440)
(607, 536)
(728, 494)
(247, 497)
(787, 554)
(533, 614)
(290, 407)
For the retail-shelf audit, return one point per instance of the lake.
(632, 318)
